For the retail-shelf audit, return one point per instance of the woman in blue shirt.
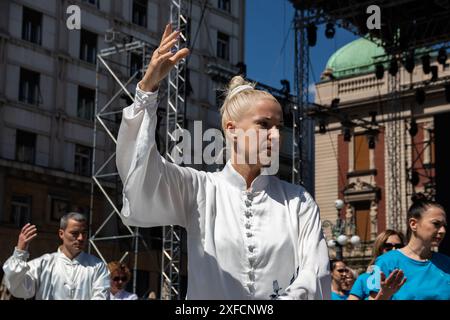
(386, 241)
(427, 273)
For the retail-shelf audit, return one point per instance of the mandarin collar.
(76, 260)
(234, 178)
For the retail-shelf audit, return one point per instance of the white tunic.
(264, 243)
(53, 276)
(123, 295)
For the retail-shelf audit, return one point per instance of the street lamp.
(340, 239)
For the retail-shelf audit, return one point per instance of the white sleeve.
(155, 191)
(101, 285)
(313, 281)
(21, 277)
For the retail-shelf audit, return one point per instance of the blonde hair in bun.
(240, 95)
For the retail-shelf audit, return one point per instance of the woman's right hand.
(390, 285)
(28, 233)
(163, 59)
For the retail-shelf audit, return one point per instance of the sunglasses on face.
(124, 279)
(390, 246)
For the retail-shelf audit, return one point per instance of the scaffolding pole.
(302, 128)
(104, 173)
(175, 118)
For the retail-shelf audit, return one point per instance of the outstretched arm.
(155, 191)
(20, 275)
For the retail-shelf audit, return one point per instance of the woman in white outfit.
(250, 235)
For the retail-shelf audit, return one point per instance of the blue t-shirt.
(336, 296)
(359, 288)
(425, 280)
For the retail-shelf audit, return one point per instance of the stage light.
(347, 134)
(410, 63)
(420, 95)
(393, 67)
(426, 64)
(373, 121)
(311, 30)
(335, 103)
(330, 30)
(286, 87)
(379, 71)
(322, 127)
(442, 56)
(434, 73)
(371, 142)
(413, 129)
(415, 179)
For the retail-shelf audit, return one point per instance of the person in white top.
(120, 275)
(68, 274)
(249, 235)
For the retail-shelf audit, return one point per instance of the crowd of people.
(402, 268)
(250, 234)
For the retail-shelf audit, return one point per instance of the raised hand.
(28, 233)
(163, 59)
(389, 286)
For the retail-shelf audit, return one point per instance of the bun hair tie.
(238, 89)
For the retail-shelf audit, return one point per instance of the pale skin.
(394, 280)
(73, 238)
(264, 113)
(120, 283)
(338, 276)
(426, 232)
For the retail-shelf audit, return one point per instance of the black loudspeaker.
(442, 156)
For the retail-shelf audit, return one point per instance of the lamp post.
(340, 239)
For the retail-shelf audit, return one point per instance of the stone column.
(373, 220)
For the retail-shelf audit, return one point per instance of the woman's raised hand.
(163, 59)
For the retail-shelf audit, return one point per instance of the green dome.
(356, 57)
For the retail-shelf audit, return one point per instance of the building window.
(20, 210)
(83, 156)
(223, 46)
(92, 2)
(29, 90)
(362, 220)
(86, 103)
(361, 154)
(224, 5)
(136, 65)
(140, 12)
(88, 46)
(32, 25)
(25, 146)
(59, 207)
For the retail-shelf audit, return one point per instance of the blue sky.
(269, 43)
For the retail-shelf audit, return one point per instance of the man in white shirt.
(68, 274)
